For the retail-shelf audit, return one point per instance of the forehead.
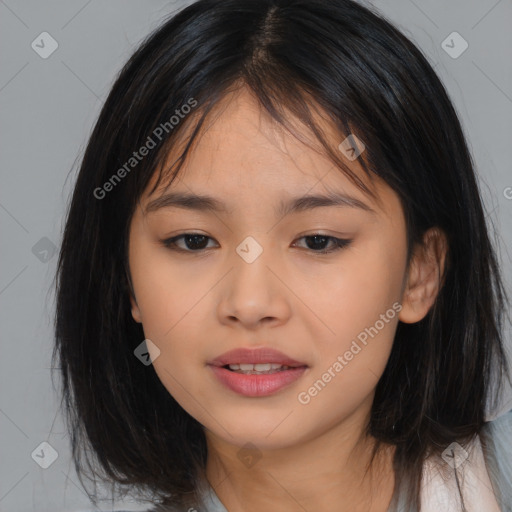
(242, 151)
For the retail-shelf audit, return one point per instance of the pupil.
(316, 237)
(194, 237)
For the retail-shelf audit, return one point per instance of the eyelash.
(339, 243)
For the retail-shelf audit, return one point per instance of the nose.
(254, 294)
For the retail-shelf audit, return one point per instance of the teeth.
(263, 367)
(259, 367)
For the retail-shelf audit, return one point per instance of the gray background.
(48, 107)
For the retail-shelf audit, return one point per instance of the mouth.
(256, 372)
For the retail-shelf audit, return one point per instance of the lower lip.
(257, 385)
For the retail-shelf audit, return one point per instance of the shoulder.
(204, 500)
(497, 449)
(481, 469)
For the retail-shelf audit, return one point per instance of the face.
(255, 276)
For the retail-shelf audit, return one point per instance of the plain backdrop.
(49, 102)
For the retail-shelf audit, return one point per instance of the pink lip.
(256, 385)
(255, 356)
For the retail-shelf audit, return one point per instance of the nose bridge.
(251, 270)
(253, 292)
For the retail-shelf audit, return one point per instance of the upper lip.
(254, 356)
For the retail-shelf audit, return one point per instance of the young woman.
(276, 287)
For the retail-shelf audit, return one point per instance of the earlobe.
(424, 279)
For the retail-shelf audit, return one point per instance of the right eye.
(194, 242)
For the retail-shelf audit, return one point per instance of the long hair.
(348, 62)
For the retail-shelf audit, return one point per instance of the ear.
(128, 286)
(424, 277)
(135, 309)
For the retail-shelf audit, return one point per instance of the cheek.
(350, 364)
(361, 307)
(167, 292)
(367, 284)
(169, 298)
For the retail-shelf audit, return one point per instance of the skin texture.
(194, 306)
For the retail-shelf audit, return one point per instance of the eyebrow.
(206, 203)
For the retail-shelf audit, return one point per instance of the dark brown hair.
(350, 63)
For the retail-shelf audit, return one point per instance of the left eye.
(317, 239)
(195, 242)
